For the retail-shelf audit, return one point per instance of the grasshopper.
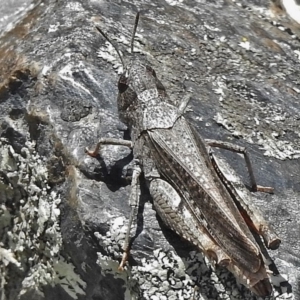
(189, 191)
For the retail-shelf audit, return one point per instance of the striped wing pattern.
(183, 159)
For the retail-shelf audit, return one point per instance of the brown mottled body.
(189, 191)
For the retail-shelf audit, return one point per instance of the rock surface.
(63, 214)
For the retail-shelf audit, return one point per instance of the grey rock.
(63, 215)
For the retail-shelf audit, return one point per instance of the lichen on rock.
(29, 230)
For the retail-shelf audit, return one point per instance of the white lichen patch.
(29, 227)
(163, 276)
(7, 256)
(109, 54)
(114, 239)
(54, 27)
(112, 242)
(66, 74)
(220, 89)
(74, 6)
(297, 52)
(293, 9)
(245, 45)
(174, 2)
(66, 277)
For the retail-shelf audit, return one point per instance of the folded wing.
(184, 162)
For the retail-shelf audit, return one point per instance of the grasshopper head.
(138, 75)
(137, 78)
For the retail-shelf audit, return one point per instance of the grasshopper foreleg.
(134, 194)
(108, 141)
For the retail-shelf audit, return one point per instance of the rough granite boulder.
(63, 215)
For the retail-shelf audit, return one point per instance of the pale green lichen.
(29, 227)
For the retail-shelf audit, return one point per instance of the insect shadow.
(113, 176)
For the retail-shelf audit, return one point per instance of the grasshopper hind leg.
(251, 215)
(242, 150)
(168, 204)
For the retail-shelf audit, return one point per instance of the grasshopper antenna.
(115, 47)
(134, 30)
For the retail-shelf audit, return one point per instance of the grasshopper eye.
(122, 84)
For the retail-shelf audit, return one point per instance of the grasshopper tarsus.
(123, 261)
(91, 153)
(271, 240)
(264, 189)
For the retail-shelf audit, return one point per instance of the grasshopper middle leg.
(133, 201)
(134, 194)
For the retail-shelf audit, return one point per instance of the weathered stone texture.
(63, 214)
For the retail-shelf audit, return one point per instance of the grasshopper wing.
(183, 161)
